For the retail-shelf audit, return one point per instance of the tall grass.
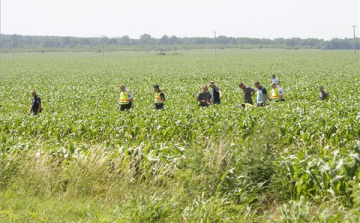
(216, 183)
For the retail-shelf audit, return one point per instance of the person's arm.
(253, 92)
(220, 94)
(265, 99)
(162, 96)
(208, 99)
(201, 100)
(131, 100)
(39, 108)
(264, 91)
(30, 110)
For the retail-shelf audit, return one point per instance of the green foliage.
(319, 175)
(292, 161)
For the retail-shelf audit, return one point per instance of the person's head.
(257, 84)
(156, 88)
(321, 88)
(33, 93)
(205, 88)
(122, 87)
(273, 76)
(242, 86)
(212, 84)
(273, 85)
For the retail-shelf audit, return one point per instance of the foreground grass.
(101, 187)
(16, 208)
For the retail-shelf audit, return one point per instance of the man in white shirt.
(275, 80)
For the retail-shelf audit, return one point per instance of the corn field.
(81, 160)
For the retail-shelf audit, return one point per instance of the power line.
(354, 39)
(12, 47)
(215, 42)
(103, 46)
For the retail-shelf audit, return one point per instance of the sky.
(324, 19)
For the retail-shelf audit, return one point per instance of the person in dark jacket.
(323, 94)
(204, 97)
(35, 107)
(216, 93)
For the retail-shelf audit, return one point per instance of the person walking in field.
(248, 93)
(277, 93)
(35, 107)
(322, 93)
(204, 97)
(216, 93)
(159, 98)
(261, 95)
(274, 79)
(125, 101)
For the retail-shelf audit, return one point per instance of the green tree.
(164, 40)
(145, 38)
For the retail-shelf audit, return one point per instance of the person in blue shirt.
(216, 93)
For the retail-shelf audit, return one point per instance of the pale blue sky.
(241, 18)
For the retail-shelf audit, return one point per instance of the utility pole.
(12, 47)
(215, 42)
(103, 46)
(354, 39)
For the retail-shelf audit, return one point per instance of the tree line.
(147, 42)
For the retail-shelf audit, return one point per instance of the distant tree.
(233, 41)
(49, 43)
(29, 40)
(66, 41)
(342, 44)
(18, 41)
(112, 41)
(174, 40)
(279, 41)
(125, 40)
(290, 42)
(84, 41)
(223, 40)
(38, 43)
(164, 40)
(134, 42)
(202, 40)
(145, 38)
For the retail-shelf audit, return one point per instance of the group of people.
(125, 101)
(205, 97)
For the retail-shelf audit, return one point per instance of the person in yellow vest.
(126, 99)
(159, 98)
(277, 93)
